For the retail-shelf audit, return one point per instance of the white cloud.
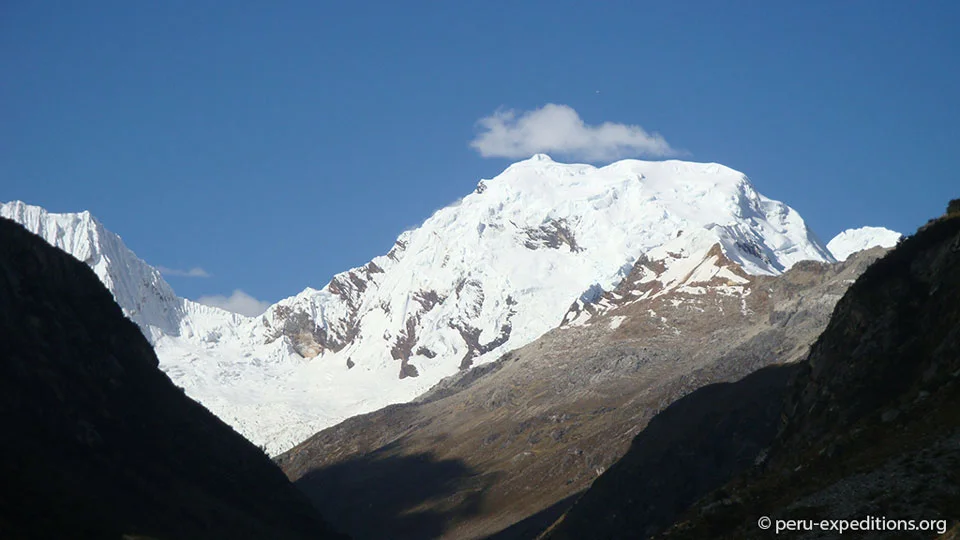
(193, 272)
(238, 302)
(558, 129)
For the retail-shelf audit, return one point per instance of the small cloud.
(238, 302)
(559, 130)
(193, 272)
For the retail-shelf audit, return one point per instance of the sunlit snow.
(530, 241)
(851, 241)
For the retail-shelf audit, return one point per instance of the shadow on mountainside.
(381, 494)
(96, 441)
(691, 448)
(535, 524)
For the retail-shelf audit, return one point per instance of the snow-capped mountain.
(485, 275)
(146, 298)
(139, 289)
(851, 241)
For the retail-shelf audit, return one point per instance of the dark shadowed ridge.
(869, 425)
(381, 493)
(694, 446)
(96, 441)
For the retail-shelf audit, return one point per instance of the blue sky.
(273, 144)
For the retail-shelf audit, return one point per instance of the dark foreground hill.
(96, 442)
(869, 425)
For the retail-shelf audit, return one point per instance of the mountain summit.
(485, 275)
(139, 288)
(851, 241)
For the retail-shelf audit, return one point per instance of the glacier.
(484, 275)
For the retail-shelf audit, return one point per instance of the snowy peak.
(139, 288)
(500, 267)
(665, 196)
(487, 274)
(851, 241)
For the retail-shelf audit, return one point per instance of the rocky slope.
(485, 275)
(504, 448)
(868, 425)
(96, 441)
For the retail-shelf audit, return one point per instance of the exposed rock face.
(97, 442)
(306, 338)
(403, 346)
(869, 424)
(551, 235)
(505, 447)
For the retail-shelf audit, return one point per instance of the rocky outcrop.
(307, 339)
(97, 442)
(403, 346)
(505, 448)
(551, 235)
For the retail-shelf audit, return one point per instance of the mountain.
(139, 289)
(504, 448)
(853, 240)
(238, 379)
(490, 273)
(97, 442)
(867, 425)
